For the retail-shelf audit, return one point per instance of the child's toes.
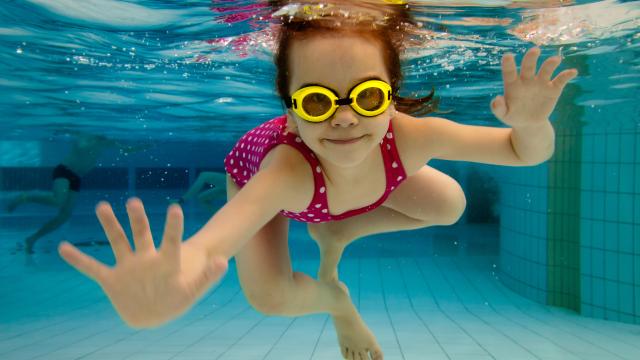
(376, 354)
(345, 352)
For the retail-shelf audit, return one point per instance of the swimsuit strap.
(319, 200)
(393, 167)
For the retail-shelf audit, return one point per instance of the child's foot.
(14, 203)
(355, 339)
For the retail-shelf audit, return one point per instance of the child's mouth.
(345, 141)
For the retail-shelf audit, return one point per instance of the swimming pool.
(544, 263)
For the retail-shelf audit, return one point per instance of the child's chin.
(347, 160)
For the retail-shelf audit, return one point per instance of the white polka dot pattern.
(255, 144)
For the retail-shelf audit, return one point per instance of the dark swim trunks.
(63, 172)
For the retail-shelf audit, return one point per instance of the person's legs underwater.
(272, 287)
(66, 185)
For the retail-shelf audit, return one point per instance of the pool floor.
(418, 307)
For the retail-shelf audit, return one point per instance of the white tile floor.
(420, 307)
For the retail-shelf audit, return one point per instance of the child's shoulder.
(293, 172)
(414, 139)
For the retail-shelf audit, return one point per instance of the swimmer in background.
(347, 157)
(209, 187)
(66, 177)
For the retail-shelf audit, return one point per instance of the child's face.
(338, 63)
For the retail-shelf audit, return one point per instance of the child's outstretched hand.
(529, 98)
(148, 287)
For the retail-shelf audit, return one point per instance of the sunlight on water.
(145, 65)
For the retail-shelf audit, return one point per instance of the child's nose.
(344, 117)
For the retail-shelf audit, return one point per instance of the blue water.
(187, 78)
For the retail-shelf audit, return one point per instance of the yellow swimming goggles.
(316, 103)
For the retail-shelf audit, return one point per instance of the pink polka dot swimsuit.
(244, 161)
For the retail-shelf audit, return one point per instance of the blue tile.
(597, 288)
(599, 178)
(611, 300)
(585, 288)
(636, 309)
(587, 148)
(612, 175)
(611, 207)
(625, 265)
(611, 265)
(626, 178)
(598, 235)
(597, 263)
(627, 145)
(626, 298)
(613, 147)
(585, 233)
(636, 271)
(625, 233)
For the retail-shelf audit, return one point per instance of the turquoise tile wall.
(523, 249)
(610, 218)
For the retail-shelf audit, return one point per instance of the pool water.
(544, 263)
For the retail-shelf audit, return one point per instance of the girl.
(346, 158)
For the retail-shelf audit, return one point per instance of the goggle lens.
(371, 98)
(316, 104)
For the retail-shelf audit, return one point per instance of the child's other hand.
(148, 286)
(528, 98)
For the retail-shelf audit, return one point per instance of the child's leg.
(426, 198)
(271, 286)
(268, 280)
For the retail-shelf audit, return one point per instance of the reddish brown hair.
(389, 24)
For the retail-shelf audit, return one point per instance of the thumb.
(212, 273)
(499, 107)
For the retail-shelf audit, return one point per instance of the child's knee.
(456, 204)
(268, 300)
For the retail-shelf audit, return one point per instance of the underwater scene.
(485, 154)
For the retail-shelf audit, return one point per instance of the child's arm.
(285, 183)
(528, 101)
(149, 286)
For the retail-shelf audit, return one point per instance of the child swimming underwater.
(346, 158)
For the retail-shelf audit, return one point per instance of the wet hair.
(388, 23)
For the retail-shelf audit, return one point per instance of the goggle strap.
(290, 102)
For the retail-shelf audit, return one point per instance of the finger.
(509, 71)
(83, 262)
(345, 352)
(173, 231)
(548, 67)
(212, 274)
(563, 78)
(377, 355)
(499, 107)
(115, 234)
(139, 226)
(529, 61)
